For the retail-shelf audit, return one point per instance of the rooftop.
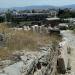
(54, 18)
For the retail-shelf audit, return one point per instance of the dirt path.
(70, 37)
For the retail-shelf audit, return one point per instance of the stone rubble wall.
(63, 50)
(42, 62)
(34, 28)
(62, 61)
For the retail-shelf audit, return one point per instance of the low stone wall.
(62, 61)
(42, 62)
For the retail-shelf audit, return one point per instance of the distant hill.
(40, 7)
(35, 7)
(3, 9)
(72, 6)
(45, 7)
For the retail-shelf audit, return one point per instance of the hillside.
(72, 6)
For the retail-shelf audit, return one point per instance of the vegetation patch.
(23, 40)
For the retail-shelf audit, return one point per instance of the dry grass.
(22, 40)
(4, 53)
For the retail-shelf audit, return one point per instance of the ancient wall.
(42, 62)
(62, 61)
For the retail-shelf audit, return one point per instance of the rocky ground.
(42, 62)
(70, 37)
(50, 58)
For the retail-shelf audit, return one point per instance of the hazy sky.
(19, 3)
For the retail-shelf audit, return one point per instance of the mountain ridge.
(72, 6)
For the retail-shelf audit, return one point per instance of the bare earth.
(70, 36)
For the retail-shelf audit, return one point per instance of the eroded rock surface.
(42, 62)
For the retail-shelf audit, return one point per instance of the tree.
(64, 13)
(33, 11)
(8, 15)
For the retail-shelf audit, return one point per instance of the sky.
(21, 3)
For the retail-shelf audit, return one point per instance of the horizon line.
(39, 5)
